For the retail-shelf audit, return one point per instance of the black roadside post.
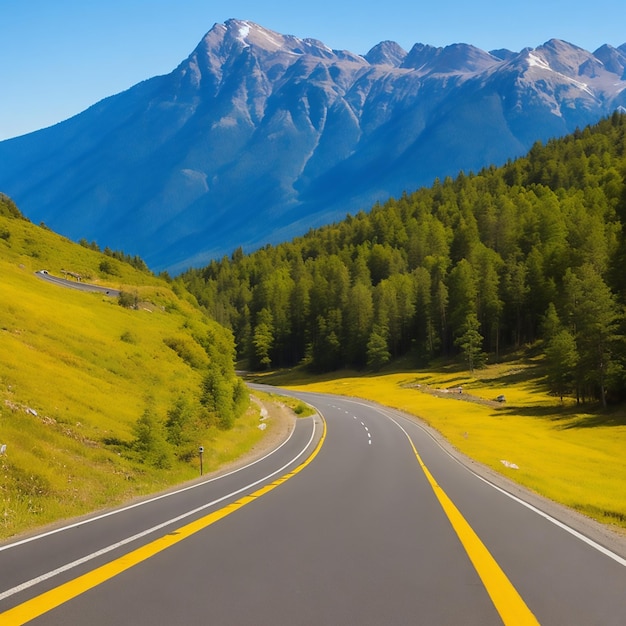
(201, 450)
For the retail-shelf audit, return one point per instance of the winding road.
(75, 284)
(361, 517)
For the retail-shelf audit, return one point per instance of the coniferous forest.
(531, 253)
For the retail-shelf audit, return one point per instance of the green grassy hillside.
(99, 402)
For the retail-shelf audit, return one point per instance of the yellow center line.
(49, 600)
(506, 599)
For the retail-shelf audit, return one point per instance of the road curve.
(73, 284)
(381, 525)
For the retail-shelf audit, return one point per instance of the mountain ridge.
(258, 136)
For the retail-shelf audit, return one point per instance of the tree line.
(533, 252)
(133, 260)
(163, 435)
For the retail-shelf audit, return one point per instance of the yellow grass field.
(77, 370)
(571, 454)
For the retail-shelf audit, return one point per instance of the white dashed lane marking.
(354, 417)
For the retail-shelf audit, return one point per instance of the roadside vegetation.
(470, 268)
(508, 282)
(443, 285)
(299, 408)
(568, 453)
(100, 402)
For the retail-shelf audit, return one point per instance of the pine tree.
(263, 339)
(377, 352)
(561, 361)
(470, 343)
(150, 442)
(594, 318)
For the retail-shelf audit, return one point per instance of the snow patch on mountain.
(582, 86)
(535, 60)
(244, 31)
(258, 136)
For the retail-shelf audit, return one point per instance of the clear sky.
(57, 57)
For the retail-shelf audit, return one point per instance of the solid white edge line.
(590, 542)
(174, 520)
(142, 503)
(556, 522)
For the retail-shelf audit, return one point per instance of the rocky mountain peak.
(566, 58)
(453, 59)
(613, 59)
(258, 136)
(386, 53)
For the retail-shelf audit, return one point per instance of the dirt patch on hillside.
(280, 420)
(457, 393)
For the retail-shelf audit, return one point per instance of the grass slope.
(77, 371)
(571, 454)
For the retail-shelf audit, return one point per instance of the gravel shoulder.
(280, 420)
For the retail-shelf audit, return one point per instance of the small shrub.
(8, 208)
(188, 350)
(241, 398)
(150, 444)
(128, 337)
(128, 300)
(109, 267)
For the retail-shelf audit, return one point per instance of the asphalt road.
(74, 284)
(380, 525)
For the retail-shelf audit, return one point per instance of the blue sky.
(57, 57)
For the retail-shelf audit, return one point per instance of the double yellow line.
(45, 602)
(503, 594)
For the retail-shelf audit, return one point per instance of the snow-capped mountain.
(258, 136)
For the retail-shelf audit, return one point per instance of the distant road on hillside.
(76, 284)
